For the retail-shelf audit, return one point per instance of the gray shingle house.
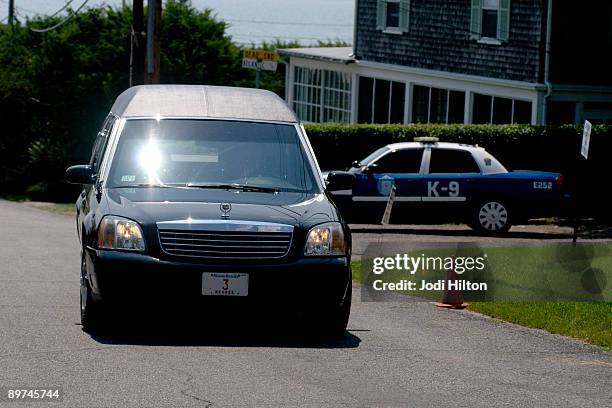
(461, 61)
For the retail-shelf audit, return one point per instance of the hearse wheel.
(91, 314)
(334, 324)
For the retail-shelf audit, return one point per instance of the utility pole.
(258, 75)
(157, 42)
(11, 12)
(138, 46)
(154, 13)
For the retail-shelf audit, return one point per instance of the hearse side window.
(401, 161)
(101, 142)
(452, 161)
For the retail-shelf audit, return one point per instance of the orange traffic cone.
(453, 298)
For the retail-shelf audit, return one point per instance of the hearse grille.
(225, 244)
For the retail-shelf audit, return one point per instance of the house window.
(381, 101)
(490, 20)
(321, 95)
(336, 97)
(435, 105)
(393, 12)
(497, 110)
(392, 16)
(490, 9)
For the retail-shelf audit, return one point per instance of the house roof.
(202, 101)
(332, 54)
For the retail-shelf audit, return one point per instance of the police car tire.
(488, 217)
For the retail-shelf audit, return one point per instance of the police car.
(441, 182)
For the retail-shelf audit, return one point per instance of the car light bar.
(426, 139)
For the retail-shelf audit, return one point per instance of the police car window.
(373, 156)
(401, 161)
(452, 161)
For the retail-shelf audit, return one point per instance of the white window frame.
(493, 105)
(503, 21)
(403, 21)
(390, 99)
(306, 108)
(393, 29)
(483, 38)
(448, 91)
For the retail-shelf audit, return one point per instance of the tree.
(56, 87)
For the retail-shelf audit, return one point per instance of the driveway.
(395, 354)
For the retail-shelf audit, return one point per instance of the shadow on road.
(217, 334)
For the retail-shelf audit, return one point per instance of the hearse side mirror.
(339, 180)
(82, 174)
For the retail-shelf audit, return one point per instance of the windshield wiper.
(156, 185)
(235, 186)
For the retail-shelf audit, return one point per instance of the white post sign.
(390, 200)
(586, 139)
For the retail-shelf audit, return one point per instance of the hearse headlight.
(325, 239)
(120, 233)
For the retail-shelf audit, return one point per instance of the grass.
(55, 208)
(557, 272)
(536, 287)
(14, 197)
(589, 321)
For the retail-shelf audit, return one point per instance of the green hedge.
(516, 146)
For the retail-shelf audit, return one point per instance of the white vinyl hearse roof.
(202, 101)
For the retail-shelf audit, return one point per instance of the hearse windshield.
(181, 153)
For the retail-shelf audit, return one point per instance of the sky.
(250, 20)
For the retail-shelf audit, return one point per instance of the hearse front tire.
(336, 321)
(91, 311)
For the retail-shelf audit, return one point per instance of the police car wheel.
(492, 217)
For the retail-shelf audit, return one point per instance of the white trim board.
(408, 199)
(437, 79)
(469, 84)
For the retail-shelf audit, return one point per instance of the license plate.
(225, 284)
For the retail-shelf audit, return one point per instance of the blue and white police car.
(442, 182)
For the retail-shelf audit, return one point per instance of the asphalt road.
(395, 354)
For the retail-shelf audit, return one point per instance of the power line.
(288, 37)
(20, 8)
(61, 23)
(62, 9)
(293, 23)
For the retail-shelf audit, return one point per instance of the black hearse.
(209, 196)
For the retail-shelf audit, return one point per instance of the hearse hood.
(151, 205)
